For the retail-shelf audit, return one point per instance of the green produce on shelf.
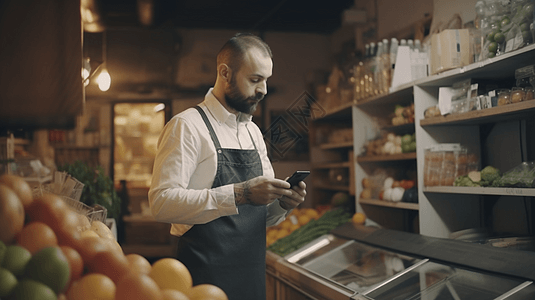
(489, 174)
(98, 187)
(312, 230)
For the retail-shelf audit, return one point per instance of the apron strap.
(210, 128)
(212, 132)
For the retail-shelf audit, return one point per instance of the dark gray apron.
(230, 251)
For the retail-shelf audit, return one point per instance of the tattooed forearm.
(242, 193)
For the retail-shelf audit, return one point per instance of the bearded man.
(213, 181)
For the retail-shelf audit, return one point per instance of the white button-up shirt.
(185, 166)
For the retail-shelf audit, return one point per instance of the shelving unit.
(332, 155)
(443, 210)
(372, 116)
(497, 134)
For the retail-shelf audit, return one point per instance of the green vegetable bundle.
(310, 231)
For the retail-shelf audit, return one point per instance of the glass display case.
(349, 263)
(436, 281)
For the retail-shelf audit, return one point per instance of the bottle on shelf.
(393, 55)
(378, 74)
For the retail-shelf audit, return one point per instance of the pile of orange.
(49, 252)
(297, 218)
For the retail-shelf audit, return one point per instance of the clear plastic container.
(442, 163)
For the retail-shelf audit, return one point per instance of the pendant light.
(104, 79)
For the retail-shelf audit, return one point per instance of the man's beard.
(238, 101)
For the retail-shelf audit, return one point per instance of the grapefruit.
(11, 214)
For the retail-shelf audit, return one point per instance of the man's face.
(248, 85)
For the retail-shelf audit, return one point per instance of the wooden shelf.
(341, 112)
(400, 205)
(480, 191)
(393, 157)
(394, 97)
(345, 164)
(521, 110)
(499, 67)
(399, 128)
(336, 145)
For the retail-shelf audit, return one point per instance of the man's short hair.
(233, 51)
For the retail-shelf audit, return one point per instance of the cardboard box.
(450, 49)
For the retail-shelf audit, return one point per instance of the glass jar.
(517, 94)
(504, 97)
(529, 93)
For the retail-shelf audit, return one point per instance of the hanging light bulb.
(86, 71)
(104, 79)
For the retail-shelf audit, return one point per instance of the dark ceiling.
(281, 15)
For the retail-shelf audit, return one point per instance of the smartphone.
(297, 177)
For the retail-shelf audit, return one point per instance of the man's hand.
(261, 191)
(295, 198)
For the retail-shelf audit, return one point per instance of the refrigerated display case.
(442, 282)
(360, 263)
(351, 264)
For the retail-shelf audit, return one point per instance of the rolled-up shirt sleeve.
(171, 197)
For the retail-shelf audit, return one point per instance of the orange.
(20, 187)
(76, 264)
(102, 230)
(312, 213)
(170, 273)
(294, 227)
(53, 211)
(207, 291)
(11, 214)
(282, 233)
(170, 294)
(110, 263)
(303, 219)
(137, 286)
(91, 287)
(36, 236)
(138, 263)
(89, 247)
(286, 224)
(359, 218)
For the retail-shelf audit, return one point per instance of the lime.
(490, 36)
(28, 289)
(51, 267)
(528, 10)
(16, 258)
(524, 26)
(505, 21)
(493, 47)
(499, 37)
(8, 281)
(2, 251)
